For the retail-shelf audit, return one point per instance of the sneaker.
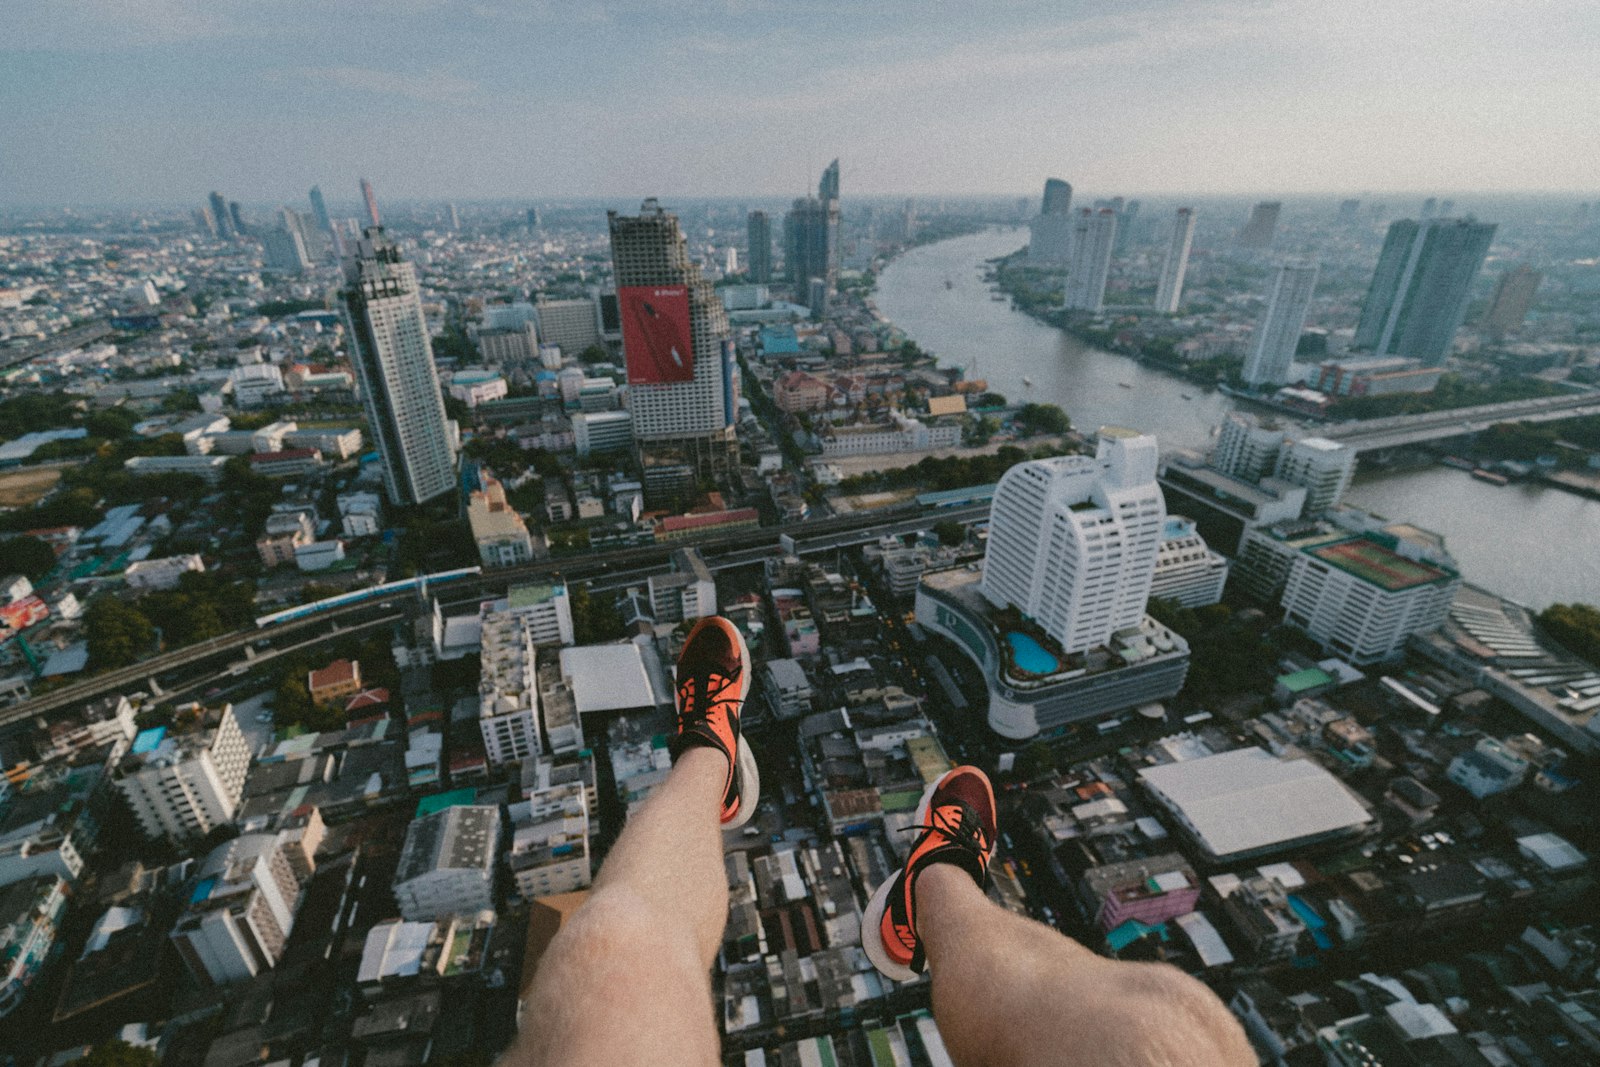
(713, 680)
(957, 820)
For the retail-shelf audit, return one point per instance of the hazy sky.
(136, 100)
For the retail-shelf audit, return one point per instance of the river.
(1543, 545)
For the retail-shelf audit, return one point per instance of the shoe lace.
(712, 686)
(967, 832)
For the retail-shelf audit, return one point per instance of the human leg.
(627, 980)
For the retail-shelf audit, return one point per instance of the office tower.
(1057, 197)
(393, 358)
(1447, 207)
(206, 220)
(371, 199)
(730, 261)
(1323, 468)
(320, 209)
(1278, 332)
(1348, 210)
(805, 243)
(1050, 234)
(1513, 295)
(533, 218)
(1258, 232)
(285, 247)
(908, 219)
(1094, 233)
(1073, 541)
(1420, 287)
(828, 186)
(1127, 221)
(1169, 293)
(237, 219)
(455, 219)
(758, 231)
(817, 299)
(1247, 447)
(1430, 208)
(682, 384)
(219, 211)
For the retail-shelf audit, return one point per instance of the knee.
(1166, 1010)
(616, 924)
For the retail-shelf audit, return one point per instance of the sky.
(122, 101)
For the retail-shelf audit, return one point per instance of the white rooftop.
(607, 677)
(1208, 943)
(1555, 852)
(1248, 799)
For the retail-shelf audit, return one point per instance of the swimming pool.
(1029, 655)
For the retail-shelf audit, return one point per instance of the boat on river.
(1490, 476)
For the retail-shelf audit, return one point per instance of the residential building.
(1513, 296)
(1363, 597)
(1247, 447)
(549, 851)
(675, 419)
(319, 555)
(30, 916)
(1094, 235)
(1277, 334)
(798, 391)
(571, 325)
(602, 432)
(393, 357)
(546, 609)
(242, 910)
(1073, 540)
(758, 233)
(1050, 232)
(508, 693)
(1262, 225)
(284, 533)
(447, 864)
(1150, 890)
(370, 199)
(148, 574)
(1487, 768)
(1321, 467)
(184, 781)
(1420, 287)
(512, 345)
(499, 532)
(688, 591)
(1169, 290)
(341, 678)
(788, 689)
(339, 444)
(360, 514)
(1187, 570)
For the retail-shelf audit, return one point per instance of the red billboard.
(19, 615)
(655, 333)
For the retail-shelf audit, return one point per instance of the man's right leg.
(1007, 990)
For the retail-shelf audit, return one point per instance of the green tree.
(593, 620)
(1043, 418)
(117, 632)
(28, 555)
(950, 532)
(595, 354)
(119, 1054)
(1576, 626)
(111, 423)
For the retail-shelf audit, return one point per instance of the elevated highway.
(1397, 431)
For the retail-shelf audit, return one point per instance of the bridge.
(1397, 431)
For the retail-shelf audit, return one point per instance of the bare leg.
(1007, 990)
(628, 979)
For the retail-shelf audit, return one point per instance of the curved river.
(1541, 546)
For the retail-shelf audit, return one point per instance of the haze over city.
(115, 102)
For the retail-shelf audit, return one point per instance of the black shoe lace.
(967, 833)
(709, 695)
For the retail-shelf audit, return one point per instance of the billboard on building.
(19, 615)
(655, 333)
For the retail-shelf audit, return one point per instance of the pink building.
(1153, 890)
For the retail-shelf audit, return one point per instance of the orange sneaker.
(713, 680)
(957, 820)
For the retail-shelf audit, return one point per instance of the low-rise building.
(1487, 768)
(447, 864)
(207, 467)
(242, 909)
(147, 574)
(1187, 570)
(901, 433)
(30, 914)
(184, 781)
(787, 688)
(287, 463)
(341, 678)
(361, 514)
(499, 532)
(550, 841)
(601, 432)
(319, 555)
(688, 591)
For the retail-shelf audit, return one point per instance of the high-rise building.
(1169, 293)
(1187, 569)
(285, 247)
(1057, 197)
(182, 785)
(1127, 224)
(219, 212)
(205, 220)
(828, 186)
(533, 218)
(1094, 234)
(1430, 208)
(1364, 596)
(508, 692)
(1247, 447)
(393, 357)
(319, 208)
(371, 200)
(807, 230)
(236, 218)
(1513, 296)
(1320, 466)
(238, 920)
(1278, 332)
(1263, 224)
(758, 229)
(455, 218)
(683, 389)
(1073, 541)
(1420, 287)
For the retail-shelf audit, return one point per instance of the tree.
(118, 633)
(28, 555)
(595, 354)
(1043, 418)
(593, 621)
(950, 532)
(111, 423)
(1575, 625)
(119, 1054)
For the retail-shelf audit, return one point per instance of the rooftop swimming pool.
(1029, 655)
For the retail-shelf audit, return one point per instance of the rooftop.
(607, 677)
(1377, 564)
(457, 837)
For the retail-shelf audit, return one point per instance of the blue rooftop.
(148, 740)
(202, 890)
(779, 341)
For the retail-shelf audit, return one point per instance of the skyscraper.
(237, 219)
(455, 219)
(758, 230)
(805, 243)
(393, 358)
(219, 211)
(1263, 224)
(206, 220)
(683, 387)
(533, 218)
(1057, 197)
(1420, 287)
(1073, 540)
(828, 193)
(371, 199)
(1278, 332)
(1094, 234)
(1169, 293)
(1050, 234)
(285, 247)
(320, 209)
(1513, 295)
(828, 186)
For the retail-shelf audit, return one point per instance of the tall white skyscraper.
(393, 358)
(1073, 540)
(1050, 233)
(1094, 234)
(1169, 293)
(1278, 332)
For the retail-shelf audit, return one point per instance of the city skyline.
(135, 104)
